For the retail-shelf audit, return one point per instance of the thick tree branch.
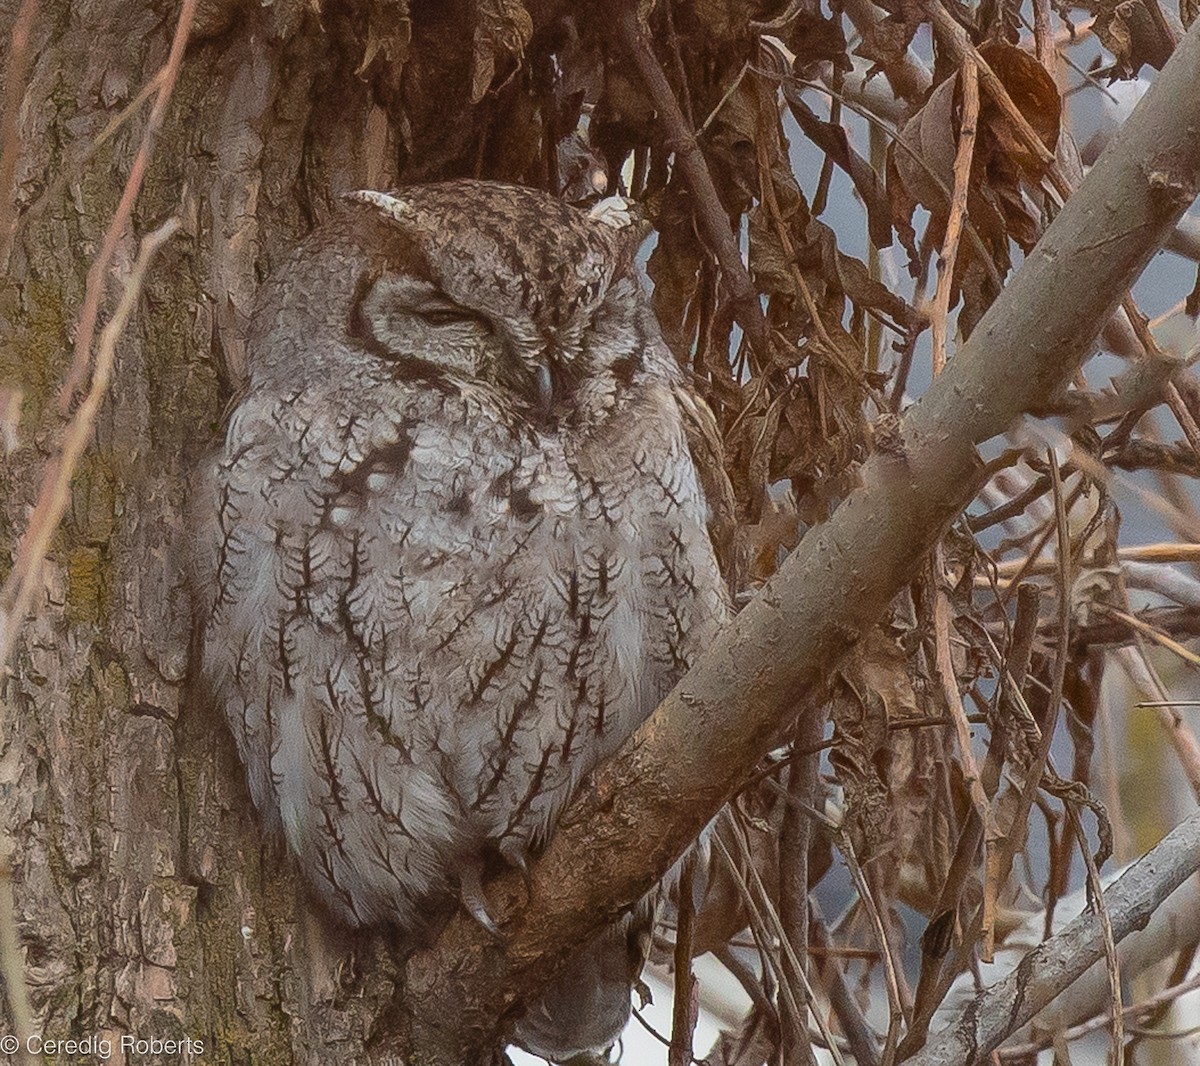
(1001, 1009)
(640, 810)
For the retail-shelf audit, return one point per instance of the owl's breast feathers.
(430, 620)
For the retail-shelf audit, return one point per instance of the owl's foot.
(470, 888)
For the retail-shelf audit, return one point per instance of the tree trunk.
(148, 903)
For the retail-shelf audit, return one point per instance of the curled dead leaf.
(1033, 90)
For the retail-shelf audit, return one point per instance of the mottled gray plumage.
(454, 551)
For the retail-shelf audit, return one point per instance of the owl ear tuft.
(385, 203)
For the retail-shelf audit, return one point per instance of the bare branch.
(98, 271)
(17, 591)
(711, 217)
(999, 1011)
(969, 80)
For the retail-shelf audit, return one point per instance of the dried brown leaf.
(1037, 98)
(856, 282)
(891, 774)
(1137, 34)
(885, 43)
(832, 140)
(502, 27)
(926, 169)
(872, 685)
(674, 268)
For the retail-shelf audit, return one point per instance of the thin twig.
(1004, 1007)
(785, 945)
(1148, 630)
(1009, 510)
(969, 80)
(860, 1037)
(1112, 964)
(711, 216)
(1183, 416)
(767, 190)
(944, 665)
(793, 848)
(961, 48)
(80, 159)
(685, 1003)
(891, 970)
(1021, 1052)
(1014, 839)
(1035, 553)
(910, 149)
(1045, 46)
(725, 97)
(1141, 672)
(641, 1020)
(1072, 33)
(1161, 552)
(759, 909)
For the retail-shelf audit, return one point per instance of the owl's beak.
(545, 388)
(554, 384)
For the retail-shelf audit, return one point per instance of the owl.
(455, 550)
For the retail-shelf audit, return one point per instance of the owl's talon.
(517, 856)
(470, 887)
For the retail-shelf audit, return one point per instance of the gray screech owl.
(454, 552)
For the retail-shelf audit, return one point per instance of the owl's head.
(468, 280)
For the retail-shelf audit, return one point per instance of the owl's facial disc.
(415, 325)
(514, 290)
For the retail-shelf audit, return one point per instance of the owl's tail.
(587, 1006)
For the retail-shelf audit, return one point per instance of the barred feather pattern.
(449, 559)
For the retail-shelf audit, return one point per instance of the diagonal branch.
(711, 216)
(639, 811)
(19, 587)
(1003, 1008)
